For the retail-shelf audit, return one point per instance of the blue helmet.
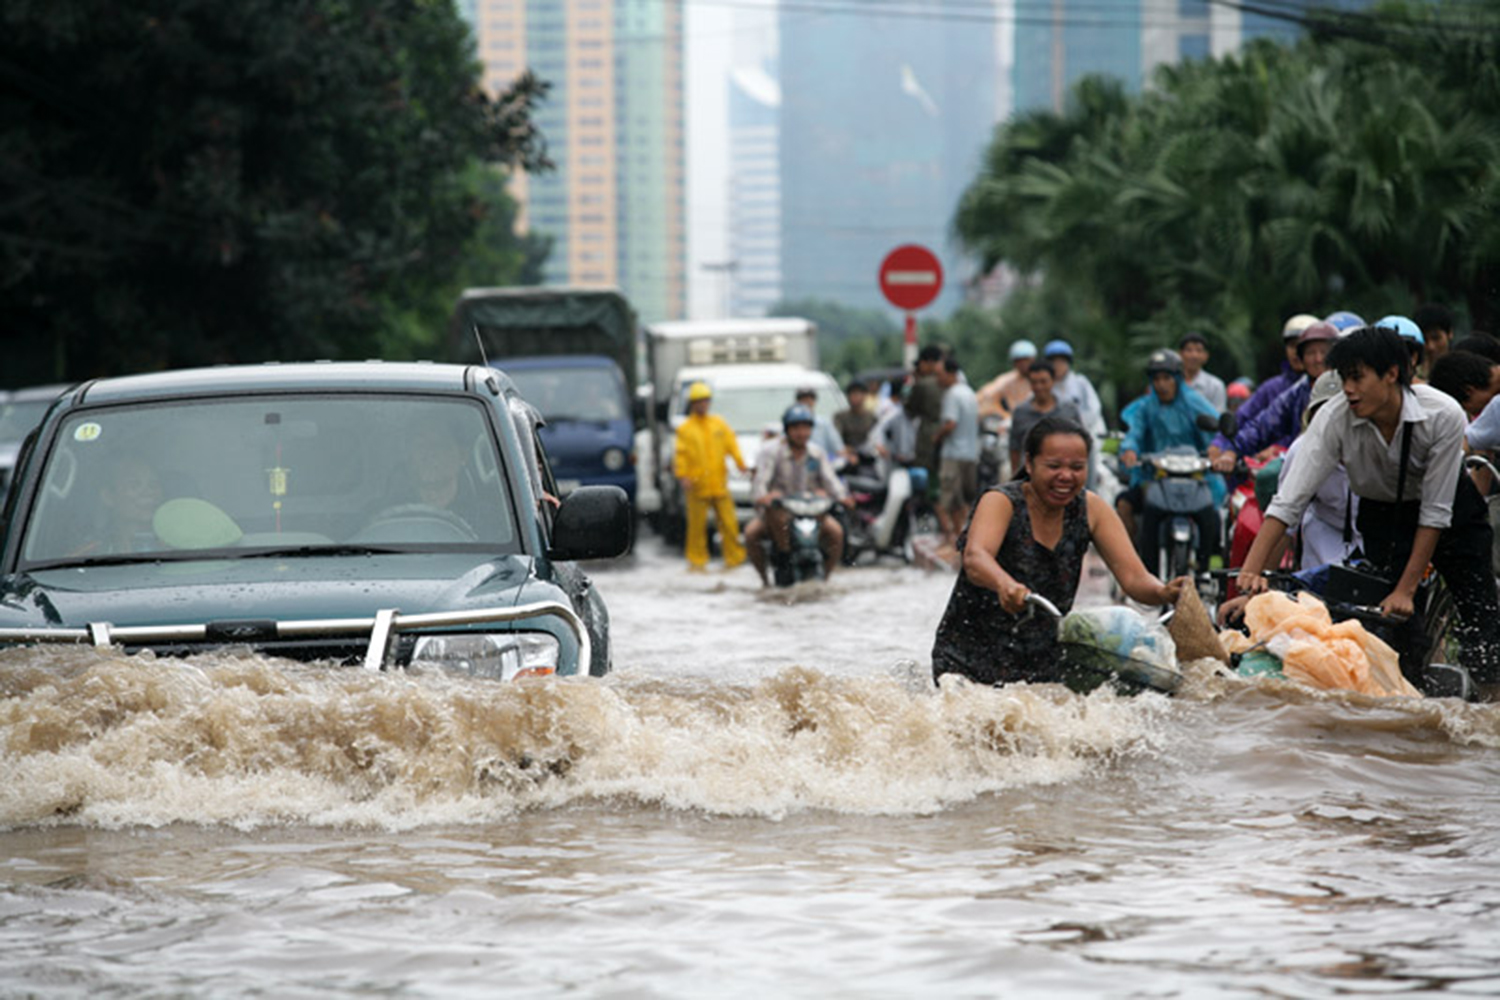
(1343, 321)
(1403, 326)
(797, 414)
(1058, 348)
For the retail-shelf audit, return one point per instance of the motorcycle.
(1177, 496)
(1177, 500)
(994, 457)
(804, 558)
(883, 512)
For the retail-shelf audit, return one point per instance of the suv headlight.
(498, 655)
(615, 459)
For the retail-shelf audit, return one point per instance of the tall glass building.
(883, 120)
(613, 122)
(1059, 41)
(754, 192)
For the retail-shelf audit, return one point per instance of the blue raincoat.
(1156, 426)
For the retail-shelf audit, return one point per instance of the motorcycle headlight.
(615, 459)
(498, 655)
(1181, 465)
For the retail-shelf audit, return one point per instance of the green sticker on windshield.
(88, 432)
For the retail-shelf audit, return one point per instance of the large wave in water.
(97, 738)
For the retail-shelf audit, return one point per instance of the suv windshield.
(267, 473)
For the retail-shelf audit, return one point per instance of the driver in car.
(790, 465)
(432, 479)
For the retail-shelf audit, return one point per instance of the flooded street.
(767, 798)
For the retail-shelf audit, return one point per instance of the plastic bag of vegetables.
(1119, 646)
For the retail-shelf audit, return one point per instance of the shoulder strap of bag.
(1405, 460)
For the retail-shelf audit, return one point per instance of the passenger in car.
(128, 500)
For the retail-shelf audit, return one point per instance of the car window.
(408, 473)
(18, 417)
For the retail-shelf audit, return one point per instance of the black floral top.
(987, 644)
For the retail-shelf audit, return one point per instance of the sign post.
(910, 278)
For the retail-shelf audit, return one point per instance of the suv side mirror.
(594, 522)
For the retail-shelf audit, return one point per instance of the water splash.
(94, 738)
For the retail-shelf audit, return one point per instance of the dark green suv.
(375, 513)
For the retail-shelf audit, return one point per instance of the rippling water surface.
(768, 797)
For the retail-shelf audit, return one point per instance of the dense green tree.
(1359, 168)
(192, 181)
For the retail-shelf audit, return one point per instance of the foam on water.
(95, 738)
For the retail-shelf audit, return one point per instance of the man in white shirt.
(1194, 351)
(958, 449)
(1402, 446)
(1074, 387)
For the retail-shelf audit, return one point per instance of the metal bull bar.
(381, 628)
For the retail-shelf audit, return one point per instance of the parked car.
(374, 513)
(20, 411)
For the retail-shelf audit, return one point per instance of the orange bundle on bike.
(1319, 652)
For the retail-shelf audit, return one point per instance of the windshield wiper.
(319, 550)
(123, 559)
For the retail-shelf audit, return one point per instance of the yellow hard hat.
(699, 390)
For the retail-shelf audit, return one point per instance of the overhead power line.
(1041, 12)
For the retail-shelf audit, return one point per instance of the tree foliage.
(1356, 169)
(191, 181)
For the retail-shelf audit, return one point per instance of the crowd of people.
(1354, 447)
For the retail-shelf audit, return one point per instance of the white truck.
(753, 366)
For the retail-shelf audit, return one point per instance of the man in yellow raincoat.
(703, 442)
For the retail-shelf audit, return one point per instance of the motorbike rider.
(1279, 424)
(1402, 446)
(1291, 370)
(1194, 350)
(1043, 401)
(1002, 394)
(1436, 323)
(824, 433)
(789, 465)
(854, 424)
(1166, 417)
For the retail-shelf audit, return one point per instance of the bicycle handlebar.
(1281, 577)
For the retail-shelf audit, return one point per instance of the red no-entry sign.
(911, 277)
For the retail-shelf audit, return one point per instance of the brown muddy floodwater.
(768, 798)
